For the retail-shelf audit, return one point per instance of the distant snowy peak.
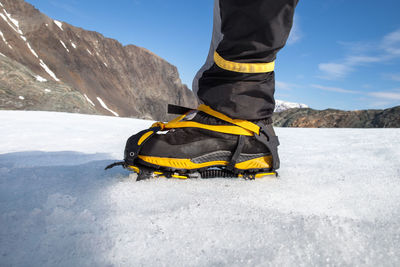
(283, 105)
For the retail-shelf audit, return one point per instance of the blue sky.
(341, 54)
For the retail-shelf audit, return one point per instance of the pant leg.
(244, 32)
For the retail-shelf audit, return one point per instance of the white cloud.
(392, 76)
(385, 50)
(334, 70)
(284, 86)
(391, 43)
(296, 33)
(334, 89)
(386, 95)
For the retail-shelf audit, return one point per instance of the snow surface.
(73, 45)
(336, 202)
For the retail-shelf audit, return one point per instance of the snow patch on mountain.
(48, 70)
(9, 24)
(283, 105)
(40, 79)
(4, 40)
(63, 44)
(59, 24)
(105, 107)
(32, 51)
(88, 100)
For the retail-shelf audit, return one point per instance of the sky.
(341, 54)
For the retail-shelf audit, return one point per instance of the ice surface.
(336, 202)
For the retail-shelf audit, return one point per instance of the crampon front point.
(145, 172)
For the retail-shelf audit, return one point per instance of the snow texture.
(336, 202)
(105, 107)
(73, 45)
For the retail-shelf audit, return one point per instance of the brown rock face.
(129, 80)
(331, 118)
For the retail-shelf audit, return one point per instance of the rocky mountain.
(331, 118)
(283, 105)
(51, 65)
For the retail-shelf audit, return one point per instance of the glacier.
(336, 202)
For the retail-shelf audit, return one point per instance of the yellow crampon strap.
(239, 127)
(243, 67)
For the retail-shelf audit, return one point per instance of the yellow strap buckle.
(243, 67)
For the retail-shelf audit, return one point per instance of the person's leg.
(231, 133)
(244, 32)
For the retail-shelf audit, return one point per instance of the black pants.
(245, 31)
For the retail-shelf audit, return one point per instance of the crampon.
(202, 143)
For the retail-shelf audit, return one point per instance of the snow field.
(336, 201)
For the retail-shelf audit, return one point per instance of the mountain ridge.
(117, 79)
